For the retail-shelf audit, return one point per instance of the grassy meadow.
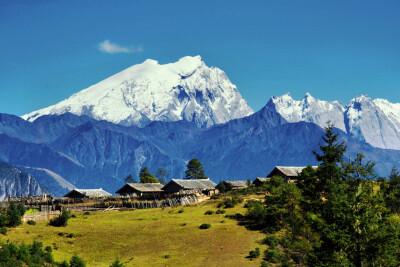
(150, 237)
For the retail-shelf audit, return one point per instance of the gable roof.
(262, 179)
(290, 171)
(146, 187)
(236, 183)
(91, 193)
(195, 183)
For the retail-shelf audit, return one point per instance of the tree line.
(194, 170)
(338, 214)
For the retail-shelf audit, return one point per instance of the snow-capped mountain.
(185, 90)
(309, 109)
(374, 121)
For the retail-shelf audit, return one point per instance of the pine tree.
(392, 191)
(194, 170)
(332, 152)
(146, 176)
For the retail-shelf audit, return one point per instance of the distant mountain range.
(375, 121)
(163, 115)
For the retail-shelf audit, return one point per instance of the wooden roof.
(145, 187)
(290, 171)
(236, 183)
(90, 193)
(201, 184)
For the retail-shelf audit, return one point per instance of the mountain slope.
(87, 153)
(14, 182)
(185, 90)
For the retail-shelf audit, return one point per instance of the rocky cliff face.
(14, 182)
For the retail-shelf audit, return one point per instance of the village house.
(141, 190)
(190, 187)
(259, 181)
(232, 185)
(87, 193)
(289, 173)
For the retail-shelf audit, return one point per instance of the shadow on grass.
(246, 222)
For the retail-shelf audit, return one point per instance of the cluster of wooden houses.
(183, 187)
(175, 187)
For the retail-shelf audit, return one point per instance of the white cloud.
(112, 48)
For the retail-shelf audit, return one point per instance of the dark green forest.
(339, 214)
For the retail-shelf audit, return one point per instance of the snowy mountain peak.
(374, 121)
(184, 90)
(309, 109)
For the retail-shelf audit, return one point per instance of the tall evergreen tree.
(146, 177)
(392, 191)
(194, 170)
(330, 158)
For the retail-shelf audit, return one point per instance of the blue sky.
(333, 49)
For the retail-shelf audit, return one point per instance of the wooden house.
(259, 181)
(232, 185)
(190, 186)
(289, 173)
(87, 193)
(141, 190)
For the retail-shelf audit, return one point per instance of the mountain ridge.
(374, 121)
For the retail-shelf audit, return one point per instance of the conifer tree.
(146, 177)
(194, 170)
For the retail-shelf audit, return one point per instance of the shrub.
(3, 230)
(61, 220)
(272, 255)
(180, 211)
(76, 262)
(271, 241)
(220, 212)
(31, 222)
(14, 214)
(117, 263)
(209, 212)
(70, 235)
(205, 226)
(25, 255)
(230, 202)
(253, 254)
(257, 213)
(86, 213)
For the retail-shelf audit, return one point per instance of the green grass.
(152, 237)
(31, 211)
